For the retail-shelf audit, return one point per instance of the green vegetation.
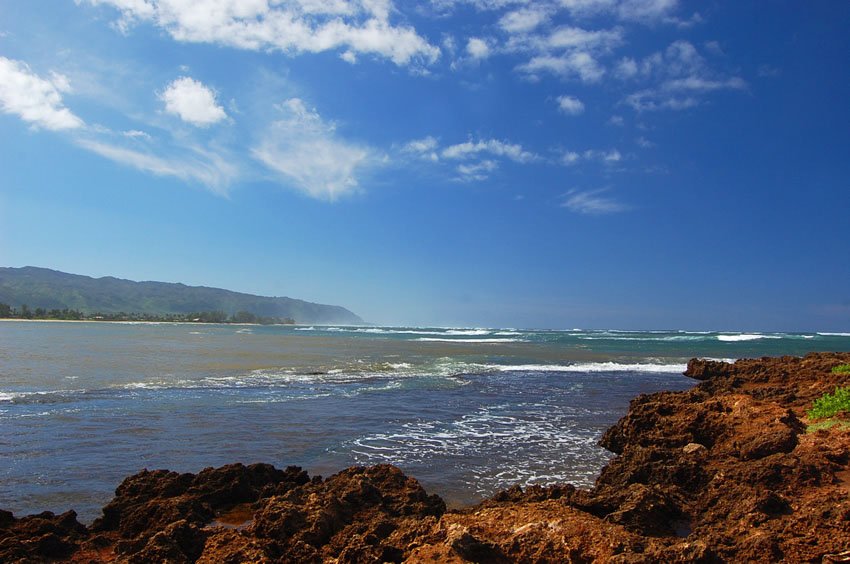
(827, 407)
(841, 369)
(830, 405)
(113, 298)
(828, 424)
(24, 312)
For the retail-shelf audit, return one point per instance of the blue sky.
(564, 163)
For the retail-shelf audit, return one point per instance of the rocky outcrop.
(722, 472)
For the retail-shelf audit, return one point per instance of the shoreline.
(725, 471)
(121, 322)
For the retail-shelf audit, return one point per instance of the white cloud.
(306, 151)
(570, 105)
(591, 202)
(495, 147)
(568, 37)
(626, 68)
(652, 100)
(477, 48)
(610, 157)
(616, 121)
(613, 156)
(35, 99)
(298, 26)
(570, 158)
(476, 171)
(524, 20)
(580, 64)
(136, 134)
(192, 101)
(426, 148)
(479, 159)
(213, 171)
(704, 84)
(646, 11)
(681, 76)
(566, 51)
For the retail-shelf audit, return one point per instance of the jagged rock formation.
(723, 472)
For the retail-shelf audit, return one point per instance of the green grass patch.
(841, 369)
(829, 405)
(828, 424)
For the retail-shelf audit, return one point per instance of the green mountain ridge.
(50, 289)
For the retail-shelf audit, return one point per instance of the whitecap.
(593, 367)
(499, 340)
(745, 337)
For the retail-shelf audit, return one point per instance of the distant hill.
(51, 289)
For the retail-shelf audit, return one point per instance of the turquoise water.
(466, 411)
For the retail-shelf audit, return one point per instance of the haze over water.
(465, 411)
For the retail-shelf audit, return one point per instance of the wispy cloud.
(308, 154)
(211, 170)
(425, 148)
(680, 77)
(292, 27)
(644, 143)
(477, 159)
(567, 51)
(476, 171)
(592, 202)
(511, 151)
(35, 99)
(192, 101)
(610, 157)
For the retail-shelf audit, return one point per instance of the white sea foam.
(399, 331)
(592, 367)
(825, 334)
(671, 338)
(40, 396)
(746, 337)
(497, 340)
(496, 446)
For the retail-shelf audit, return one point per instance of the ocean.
(466, 411)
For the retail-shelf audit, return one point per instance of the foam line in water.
(592, 367)
(496, 340)
(745, 337)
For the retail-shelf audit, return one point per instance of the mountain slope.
(51, 289)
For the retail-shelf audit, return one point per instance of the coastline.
(723, 471)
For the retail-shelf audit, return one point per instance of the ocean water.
(466, 411)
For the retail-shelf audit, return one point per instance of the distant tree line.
(25, 312)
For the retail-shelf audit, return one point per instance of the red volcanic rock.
(722, 472)
(361, 513)
(39, 538)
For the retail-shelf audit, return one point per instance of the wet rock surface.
(723, 472)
